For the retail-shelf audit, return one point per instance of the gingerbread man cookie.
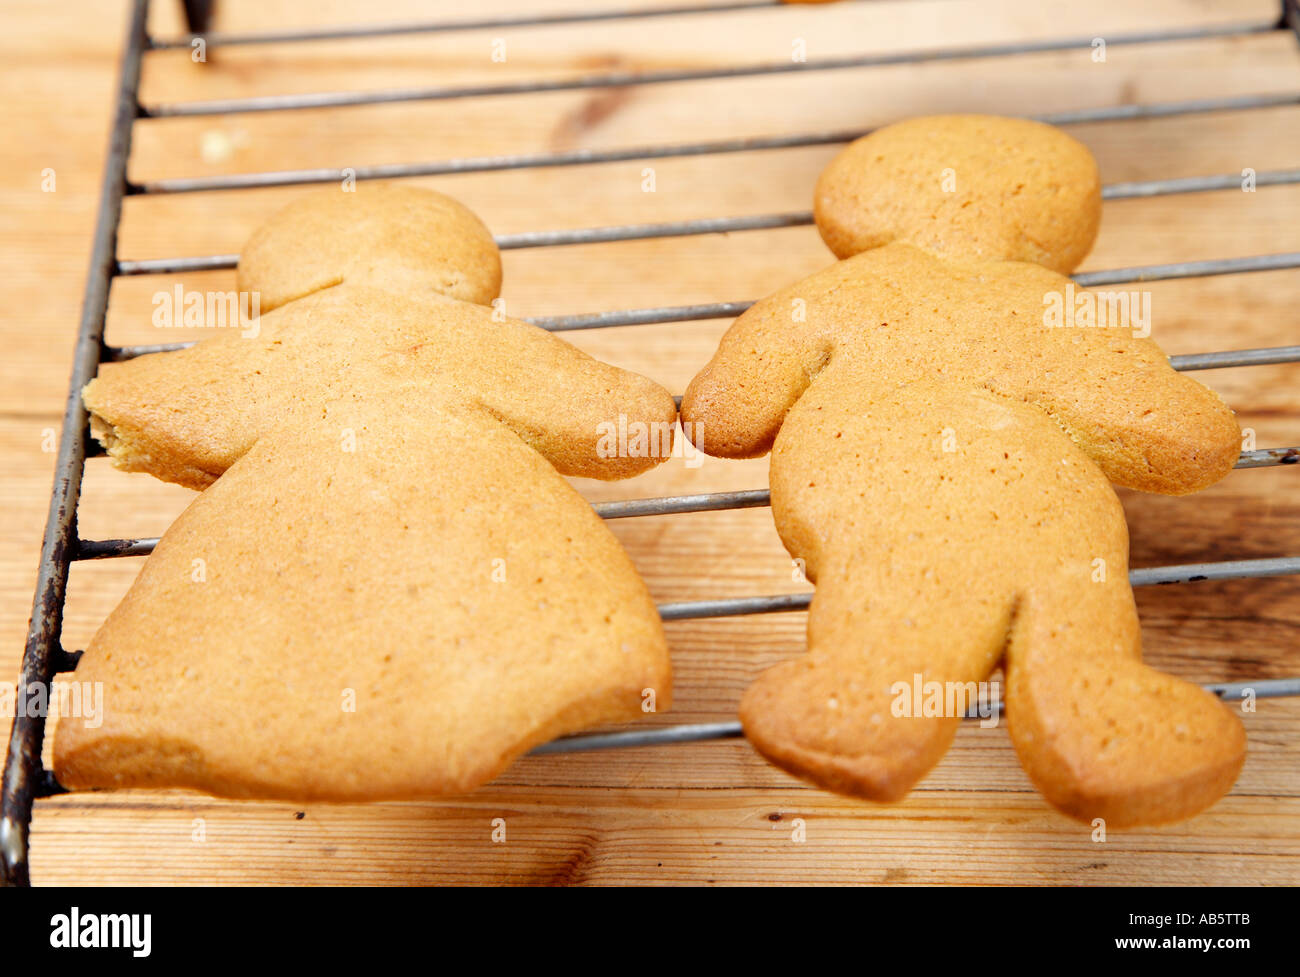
(942, 452)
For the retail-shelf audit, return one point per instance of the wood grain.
(710, 812)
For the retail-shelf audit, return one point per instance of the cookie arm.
(735, 405)
(1147, 426)
(586, 417)
(183, 416)
(1166, 434)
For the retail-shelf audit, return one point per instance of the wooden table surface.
(711, 812)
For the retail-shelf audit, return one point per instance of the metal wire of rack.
(25, 777)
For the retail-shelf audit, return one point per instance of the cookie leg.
(895, 657)
(1101, 734)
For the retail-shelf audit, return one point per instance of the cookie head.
(388, 236)
(968, 186)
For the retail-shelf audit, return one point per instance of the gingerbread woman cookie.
(386, 589)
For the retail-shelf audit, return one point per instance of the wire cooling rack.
(25, 777)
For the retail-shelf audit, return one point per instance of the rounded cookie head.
(970, 186)
(388, 236)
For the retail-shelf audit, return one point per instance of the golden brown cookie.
(386, 589)
(382, 234)
(390, 599)
(970, 186)
(942, 428)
